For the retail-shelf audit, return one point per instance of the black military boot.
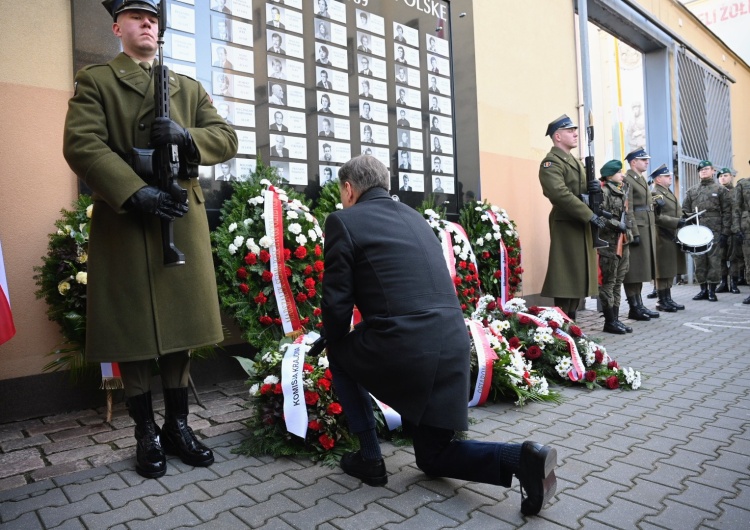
(712, 293)
(733, 285)
(671, 302)
(616, 311)
(646, 310)
(663, 303)
(703, 294)
(177, 437)
(653, 294)
(722, 287)
(746, 301)
(635, 310)
(742, 280)
(610, 323)
(150, 461)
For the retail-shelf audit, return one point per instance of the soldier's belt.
(643, 209)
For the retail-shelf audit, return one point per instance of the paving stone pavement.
(674, 454)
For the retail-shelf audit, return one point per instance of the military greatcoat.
(741, 218)
(670, 259)
(137, 308)
(642, 257)
(571, 269)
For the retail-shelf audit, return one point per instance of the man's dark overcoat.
(411, 349)
(136, 307)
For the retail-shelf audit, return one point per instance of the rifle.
(623, 237)
(594, 199)
(167, 163)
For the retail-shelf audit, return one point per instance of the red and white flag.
(7, 328)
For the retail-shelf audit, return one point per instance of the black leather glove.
(166, 131)
(317, 347)
(151, 199)
(681, 223)
(723, 240)
(593, 186)
(617, 226)
(597, 221)
(740, 237)
(636, 241)
(658, 205)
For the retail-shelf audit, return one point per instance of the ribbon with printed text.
(292, 386)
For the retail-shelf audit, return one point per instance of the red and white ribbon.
(392, 418)
(274, 220)
(485, 358)
(111, 377)
(446, 243)
(292, 386)
(577, 369)
(463, 240)
(504, 268)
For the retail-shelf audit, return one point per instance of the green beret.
(704, 163)
(724, 170)
(610, 168)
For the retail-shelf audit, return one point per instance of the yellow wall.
(36, 81)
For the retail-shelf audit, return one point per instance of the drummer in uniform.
(715, 199)
(732, 262)
(670, 259)
(741, 223)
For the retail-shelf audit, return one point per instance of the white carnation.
(480, 242)
(301, 239)
(254, 389)
(291, 214)
(295, 228)
(232, 227)
(232, 249)
(271, 380)
(323, 361)
(238, 241)
(265, 242)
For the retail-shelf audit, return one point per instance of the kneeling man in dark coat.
(411, 349)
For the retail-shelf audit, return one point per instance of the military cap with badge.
(563, 122)
(115, 7)
(640, 152)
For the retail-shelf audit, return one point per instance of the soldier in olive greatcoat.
(741, 223)
(138, 309)
(571, 269)
(714, 200)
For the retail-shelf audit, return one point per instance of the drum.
(695, 239)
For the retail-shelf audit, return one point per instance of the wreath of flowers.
(244, 276)
(464, 269)
(328, 202)
(61, 282)
(486, 237)
(550, 354)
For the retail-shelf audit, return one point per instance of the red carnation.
(311, 398)
(463, 307)
(319, 266)
(465, 292)
(244, 288)
(318, 251)
(512, 262)
(612, 365)
(613, 382)
(242, 273)
(277, 321)
(265, 257)
(304, 321)
(514, 342)
(575, 331)
(265, 320)
(301, 298)
(308, 270)
(485, 255)
(324, 384)
(312, 293)
(260, 299)
(553, 324)
(591, 376)
(491, 306)
(287, 254)
(317, 311)
(300, 253)
(307, 367)
(472, 268)
(462, 264)
(265, 389)
(277, 389)
(535, 310)
(251, 258)
(457, 280)
(326, 441)
(309, 283)
(523, 319)
(320, 277)
(533, 353)
(334, 408)
(497, 274)
(598, 356)
(288, 271)
(315, 425)
(266, 276)
(518, 270)
(328, 375)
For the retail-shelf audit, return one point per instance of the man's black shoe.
(370, 472)
(537, 476)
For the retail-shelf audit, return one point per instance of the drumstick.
(696, 214)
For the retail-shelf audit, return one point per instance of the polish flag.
(7, 328)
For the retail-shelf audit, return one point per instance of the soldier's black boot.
(635, 310)
(712, 293)
(746, 301)
(671, 302)
(653, 294)
(150, 461)
(742, 280)
(177, 437)
(722, 287)
(646, 310)
(703, 294)
(663, 303)
(733, 286)
(616, 311)
(610, 323)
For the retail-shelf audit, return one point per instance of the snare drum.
(695, 239)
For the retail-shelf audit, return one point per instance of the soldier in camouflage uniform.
(731, 255)
(613, 259)
(716, 201)
(741, 223)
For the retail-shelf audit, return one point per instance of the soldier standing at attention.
(571, 269)
(670, 260)
(613, 259)
(139, 310)
(741, 223)
(732, 262)
(716, 201)
(643, 248)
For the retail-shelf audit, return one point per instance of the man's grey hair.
(364, 172)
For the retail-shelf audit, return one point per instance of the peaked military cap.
(115, 7)
(704, 163)
(563, 122)
(637, 153)
(723, 171)
(659, 171)
(610, 168)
